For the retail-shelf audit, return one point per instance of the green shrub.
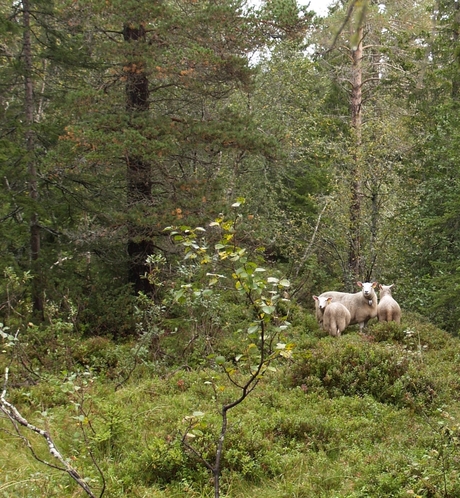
(45, 394)
(311, 327)
(99, 354)
(163, 461)
(387, 331)
(110, 430)
(420, 332)
(353, 367)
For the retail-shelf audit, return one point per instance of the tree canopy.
(121, 118)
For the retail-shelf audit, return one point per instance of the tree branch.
(16, 418)
(342, 27)
(312, 240)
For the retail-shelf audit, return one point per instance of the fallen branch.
(16, 418)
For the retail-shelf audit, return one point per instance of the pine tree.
(35, 46)
(163, 110)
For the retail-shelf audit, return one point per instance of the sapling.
(226, 261)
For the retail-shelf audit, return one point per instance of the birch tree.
(368, 58)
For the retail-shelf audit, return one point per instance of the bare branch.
(342, 27)
(16, 418)
(312, 240)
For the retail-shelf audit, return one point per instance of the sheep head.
(322, 302)
(368, 290)
(385, 290)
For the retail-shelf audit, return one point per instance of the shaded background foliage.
(232, 101)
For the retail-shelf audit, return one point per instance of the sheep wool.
(362, 305)
(335, 318)
(388, 310)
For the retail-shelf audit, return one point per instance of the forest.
(179, 179)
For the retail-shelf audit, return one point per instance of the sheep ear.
(315, 298)
(329, 299)
(380, 286)
(391, 286)
(359, 284)
(374, 284)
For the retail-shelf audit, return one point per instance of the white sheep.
(320, 305)
(362, 305)
(336, 318)
(388, 309)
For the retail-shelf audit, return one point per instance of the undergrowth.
(355, 416)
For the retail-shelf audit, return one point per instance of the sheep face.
(322, 302)
(367, 288)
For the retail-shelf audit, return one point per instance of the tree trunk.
(139, 171)
(31, 166)
(354, 254)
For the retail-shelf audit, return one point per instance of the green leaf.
(178, 294)
(253, 328)
(220, 360)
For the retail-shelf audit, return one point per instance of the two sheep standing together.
(337, 310)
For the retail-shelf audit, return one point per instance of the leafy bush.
(352, 367)
(425, 334)
(387, 331)
(102, 356)
(310, 326)
(163, 461)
